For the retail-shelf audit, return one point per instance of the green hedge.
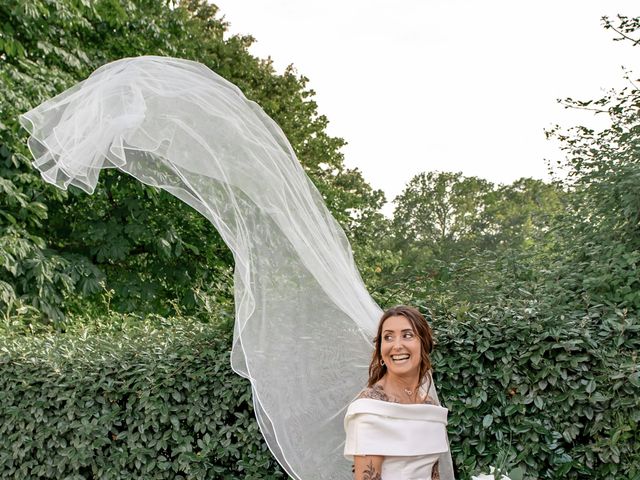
(154, 401)
(557, 397)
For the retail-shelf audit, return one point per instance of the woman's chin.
(404, 370)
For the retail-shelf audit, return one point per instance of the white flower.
(488, 476)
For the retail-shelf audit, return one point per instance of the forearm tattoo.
(435, 473)
(370, 473)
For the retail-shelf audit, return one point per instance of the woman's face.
(400, 347)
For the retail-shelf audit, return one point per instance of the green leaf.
(516, 474)
(487, 421)
(538, 401)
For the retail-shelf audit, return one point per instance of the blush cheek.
(385, 356)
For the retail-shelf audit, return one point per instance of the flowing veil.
(304, 320)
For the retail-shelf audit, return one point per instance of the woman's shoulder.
(374, 393)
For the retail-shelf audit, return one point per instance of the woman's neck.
(404, 381)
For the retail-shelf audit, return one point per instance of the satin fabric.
(410, 437)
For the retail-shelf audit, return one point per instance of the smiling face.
(400, 347)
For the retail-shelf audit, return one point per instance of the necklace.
(408, 392)
(411, 393)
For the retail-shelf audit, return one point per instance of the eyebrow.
(402, 331)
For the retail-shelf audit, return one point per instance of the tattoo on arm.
(435, 473)
(370, 473)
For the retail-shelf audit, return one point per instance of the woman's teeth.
(398, 358)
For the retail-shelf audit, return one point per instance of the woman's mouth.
(401, 358)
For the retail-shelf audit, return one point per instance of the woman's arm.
(368, 467)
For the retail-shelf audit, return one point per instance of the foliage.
(440, 207)
(518, 214)
(532, 288)
(149, 399)
(445, 212)
(457, 236)
(600, 234)
(538, 334)
(557, 395)
(156, 398)
(153, 254)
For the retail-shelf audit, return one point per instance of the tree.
(599, 238)
(135, 247)
(455, 233)
(439, 210)
(520, 212)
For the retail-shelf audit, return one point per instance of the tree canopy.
(129, 247)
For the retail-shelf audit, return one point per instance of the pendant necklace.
(411, 393)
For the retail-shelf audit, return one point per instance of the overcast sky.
(454, 85)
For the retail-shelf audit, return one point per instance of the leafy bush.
(556, 396)
(154, 400)
(538, 355)
(157, 398)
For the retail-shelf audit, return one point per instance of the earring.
(382, 363)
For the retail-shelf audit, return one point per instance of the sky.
(447, 85)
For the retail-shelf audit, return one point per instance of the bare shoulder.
(375, 393)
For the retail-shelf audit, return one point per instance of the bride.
(178, 126)
(395, 431)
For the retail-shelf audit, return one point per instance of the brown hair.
(422, 330)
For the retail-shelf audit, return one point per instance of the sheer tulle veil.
(304, 320)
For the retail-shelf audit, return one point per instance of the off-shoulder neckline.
(408, 411)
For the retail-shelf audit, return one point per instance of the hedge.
(156, 399)
(558, 397)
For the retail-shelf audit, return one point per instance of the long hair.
(422, 330)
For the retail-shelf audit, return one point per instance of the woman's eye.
(408, 335)
(388, 338)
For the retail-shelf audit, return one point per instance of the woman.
(395, 431)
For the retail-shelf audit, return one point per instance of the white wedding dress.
(410, 437)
